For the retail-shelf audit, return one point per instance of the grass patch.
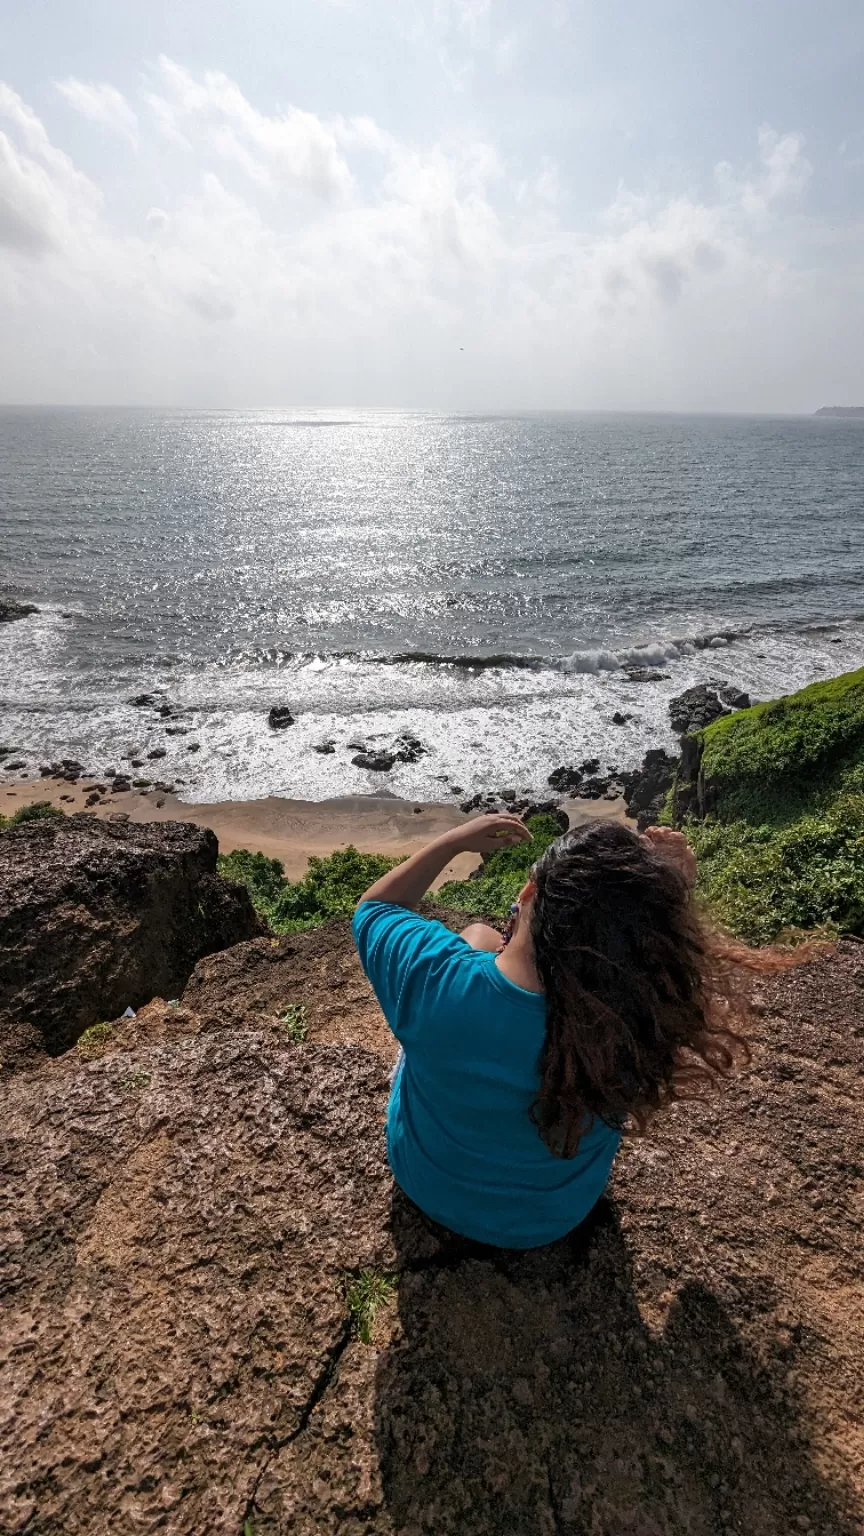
(766, 882)
(503, 875)
(778, 761)
(92, 1041)
(294, 1022)
(331, 887)
(365, 1297)
(36, 812)
(781, 850)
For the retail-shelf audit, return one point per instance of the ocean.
(483, 582)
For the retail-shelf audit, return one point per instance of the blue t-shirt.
(460, 1138)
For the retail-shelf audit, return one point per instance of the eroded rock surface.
(98, 915)
(186, 1208)
(695, 708)
(645, 793)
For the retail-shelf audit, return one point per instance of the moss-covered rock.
(773, 800)
(774, 761)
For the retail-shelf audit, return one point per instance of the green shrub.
(781, 848)
(780, 760)
(36, 812)
(765, 881)
(503, 875)
(264, 878)
(331, 887)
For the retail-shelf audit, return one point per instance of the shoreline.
(293, 830)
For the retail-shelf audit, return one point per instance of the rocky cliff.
(96, 916)
(219, 1316)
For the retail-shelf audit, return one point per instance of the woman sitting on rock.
(525, 1058)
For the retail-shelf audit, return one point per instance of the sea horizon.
(500, 585)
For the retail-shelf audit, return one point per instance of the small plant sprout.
(92, 1040)
(135, 1081)
(365, 1297)
(294, 1022)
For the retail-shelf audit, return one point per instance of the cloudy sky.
(454, 204)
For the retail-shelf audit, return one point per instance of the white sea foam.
(485, 729)
(653, 653)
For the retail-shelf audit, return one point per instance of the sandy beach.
(290, 830)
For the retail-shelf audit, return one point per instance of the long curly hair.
(644, 1002)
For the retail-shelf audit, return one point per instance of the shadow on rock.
(527, 1394)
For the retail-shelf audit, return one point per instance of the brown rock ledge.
(182, 1214)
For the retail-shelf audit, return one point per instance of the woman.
(525, 1059)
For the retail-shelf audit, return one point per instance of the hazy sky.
(433, 203)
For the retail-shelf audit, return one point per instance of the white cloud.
(27, 217)
(470, 16)
(293, 149)
(39, 185)
(784, 172)
(296, 257)
(101, 104)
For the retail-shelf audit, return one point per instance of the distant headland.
(840, 410)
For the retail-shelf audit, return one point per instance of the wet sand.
(290, 830)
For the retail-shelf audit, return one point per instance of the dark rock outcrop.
(593, 787)
(96, 915)
(279, 717)
(695, 708)
(736, 698)
(692, 796)
(528, 808)
(10, 611)
(410, 749)
(375, 762)
(645, 794)
(646, 675)
(565, 780)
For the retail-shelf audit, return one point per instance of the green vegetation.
(766, 882)
(91, 1041)
(35, 812)
(776, 761)
(365, 1297)
(294, 1022)
(781, 848)
(331, 887)
(503, 875)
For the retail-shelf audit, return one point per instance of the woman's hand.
(488, 834)
(674, 847)
(407, 883)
